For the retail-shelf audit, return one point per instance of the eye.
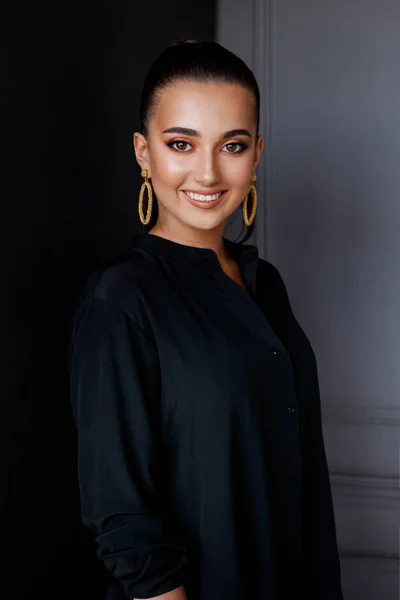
(179, 145)
(235, 147)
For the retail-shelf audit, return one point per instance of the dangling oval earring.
(145, 185)
(252, 190)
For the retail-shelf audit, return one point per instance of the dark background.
(71, 88)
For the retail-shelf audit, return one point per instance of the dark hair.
(195, 61)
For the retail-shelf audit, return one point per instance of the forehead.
(202, 105)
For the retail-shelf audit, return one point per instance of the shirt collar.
(239, 252)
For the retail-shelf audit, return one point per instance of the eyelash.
(240, 144)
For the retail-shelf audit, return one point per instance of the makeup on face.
(201, 151)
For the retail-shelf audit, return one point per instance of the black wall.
(71, 88)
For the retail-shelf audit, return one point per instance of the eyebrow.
(194, 133)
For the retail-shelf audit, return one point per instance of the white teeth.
(207, 198)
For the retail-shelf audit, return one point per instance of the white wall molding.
(370, 577)
(362, 415)
(367, 512)
(367, 488)
(366, 563)
(262, 66)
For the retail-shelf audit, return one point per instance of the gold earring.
(252, 190)
(145, 185)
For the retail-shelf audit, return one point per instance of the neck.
(211, 239)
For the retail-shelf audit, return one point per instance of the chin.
(205, 224)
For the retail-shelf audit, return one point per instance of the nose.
(206, 171)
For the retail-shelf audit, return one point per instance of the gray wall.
(329, 219)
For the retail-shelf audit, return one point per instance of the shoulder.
(111, 303)
(271, 287)
(120, 279)
(269, 274)
(117, 285)
(266, 268)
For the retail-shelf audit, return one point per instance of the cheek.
(238, 172)
(166, 167)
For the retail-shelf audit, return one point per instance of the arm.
(115, 392)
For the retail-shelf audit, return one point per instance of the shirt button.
(291, 409)
(276, 352)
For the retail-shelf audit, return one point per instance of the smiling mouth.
(203, 197)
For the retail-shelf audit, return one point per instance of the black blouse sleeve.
(115, 391)
(321, 555)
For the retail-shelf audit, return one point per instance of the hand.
(176, 594)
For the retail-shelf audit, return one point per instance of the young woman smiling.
(202, 465)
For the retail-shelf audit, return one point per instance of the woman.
(202, 465)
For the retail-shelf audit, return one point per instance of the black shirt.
(201, 453)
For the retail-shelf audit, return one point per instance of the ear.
(259, 148)
(141, 151)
